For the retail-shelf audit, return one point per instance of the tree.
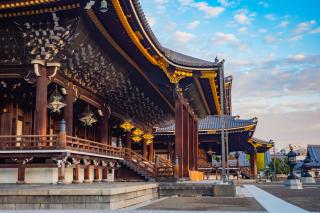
(282, 166)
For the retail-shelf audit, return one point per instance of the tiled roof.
(314, 153)
(175, 57)
(213, 122)
(260, 141)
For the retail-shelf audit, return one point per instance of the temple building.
(87, 93)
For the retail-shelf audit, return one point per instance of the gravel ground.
(307, 198)
(206, 204)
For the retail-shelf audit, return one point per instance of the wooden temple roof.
(213, 124)
(125, 27)
(313, 156)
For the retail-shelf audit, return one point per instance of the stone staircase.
(139, 164)
(147, 169)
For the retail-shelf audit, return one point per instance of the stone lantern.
(292, 182)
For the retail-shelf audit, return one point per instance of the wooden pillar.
(96, 175)
(145, 149)
(61, 173)
(179, 136)
(105, 174)
(151, 151)
(104, 128)
(253, 162)
(195, 143)
(169, 152)
(41, 101)
(191, 143)
(128, 140)
(186, 143)
(6, 118)
(21, 174)
(87, 175)
(68, 110)
(76, 174)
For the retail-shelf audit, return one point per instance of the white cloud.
(270, 17)
(242, 30)
(263, 4)
(209, 11)
(263, 30)
(295, 38)
(183, 37)
(298, 57)
(317, 30)
(227, 3)
(193, 24)
(243, 17)
(304, 26)
(283, 24)
(151, 20)
(270, 39)
(220, 38)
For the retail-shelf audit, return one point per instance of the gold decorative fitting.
(136, 138)
(149, 142)
(24, 3)
(148, 136)
(137, 132)
(208, 74)
(127, 125)
(211, 132)
(45, 10)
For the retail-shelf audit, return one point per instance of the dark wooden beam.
(41, 102)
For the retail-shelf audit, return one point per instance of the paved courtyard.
(308, 198)
(206, 204)
(271, 197)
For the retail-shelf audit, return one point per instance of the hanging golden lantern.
(149, 142)
(137, 132)
(136, 138)
(148, 136)
(88, 118)
(127, 125)
(56, 101)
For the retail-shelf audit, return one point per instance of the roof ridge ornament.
(104, 6)
(89, 5)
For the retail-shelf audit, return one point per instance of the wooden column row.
(41, 107)
(186, 138)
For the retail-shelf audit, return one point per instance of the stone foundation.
(77, 198)
(48, 175)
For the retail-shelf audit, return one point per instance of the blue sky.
(272, 49)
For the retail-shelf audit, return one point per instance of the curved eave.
(132, 21)
(247, 128)
(259, 145)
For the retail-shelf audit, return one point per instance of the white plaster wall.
(41, 175)
(81, 175)
(91, 173)
(100, 174)
(8, 175)
(69, 175)
(110, 175)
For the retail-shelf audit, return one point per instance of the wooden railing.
(139, 162)
(84, 145)
(165, 168)
(14, 142)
